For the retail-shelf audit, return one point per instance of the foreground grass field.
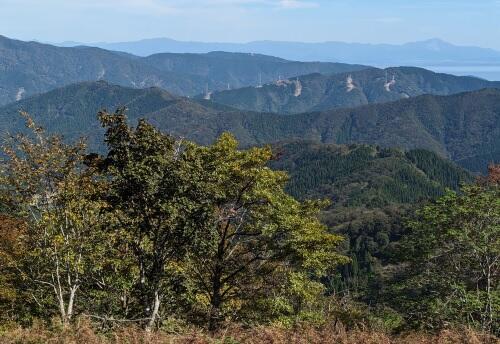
(84, 332)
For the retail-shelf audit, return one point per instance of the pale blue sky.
(465, 22)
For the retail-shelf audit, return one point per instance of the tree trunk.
(62, 308)
(489, 306)
(71, 302)
(66, 311)
(155, 312)
(216, 300)
(217, 285)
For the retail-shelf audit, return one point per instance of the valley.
(159, 191)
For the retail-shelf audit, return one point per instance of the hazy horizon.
(257, 40)
(237, 21)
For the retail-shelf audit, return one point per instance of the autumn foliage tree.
(493, 177)
(55, 196)
(11, 229)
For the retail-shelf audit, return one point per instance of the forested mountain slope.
(372, 190)
(72, 110)
(28, 68)
(235, 70)
(365, 175)
(317, 92)
(464, 127)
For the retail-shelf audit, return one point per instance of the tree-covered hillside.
(363, 175)
(28, 68)
(464, 127)
(72, 110)
(371, 190)
(235, 70)
(317, 92)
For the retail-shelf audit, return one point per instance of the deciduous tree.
(454, 250)
(56, 196)
(253, 229)
(154, 195)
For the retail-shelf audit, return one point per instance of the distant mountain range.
(464, 127)
(317, 92)
(235, 70)
(423, 53)
(28, 68)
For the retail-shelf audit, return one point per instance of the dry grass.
(84, 333)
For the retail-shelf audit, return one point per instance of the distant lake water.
(485, 71)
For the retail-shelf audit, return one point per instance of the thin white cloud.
(172, 5)
(169, 6)
(141, 6)
(281, 3)
(138, 6)
(206, 4)
(297, 4)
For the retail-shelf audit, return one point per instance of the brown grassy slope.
(84, 333)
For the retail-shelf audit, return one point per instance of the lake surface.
(486, 72)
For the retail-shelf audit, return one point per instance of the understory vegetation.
(161, 240)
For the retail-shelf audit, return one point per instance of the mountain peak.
(436, 40)
(436, 44)
(433, 44)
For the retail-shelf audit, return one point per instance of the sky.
(463, 22)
